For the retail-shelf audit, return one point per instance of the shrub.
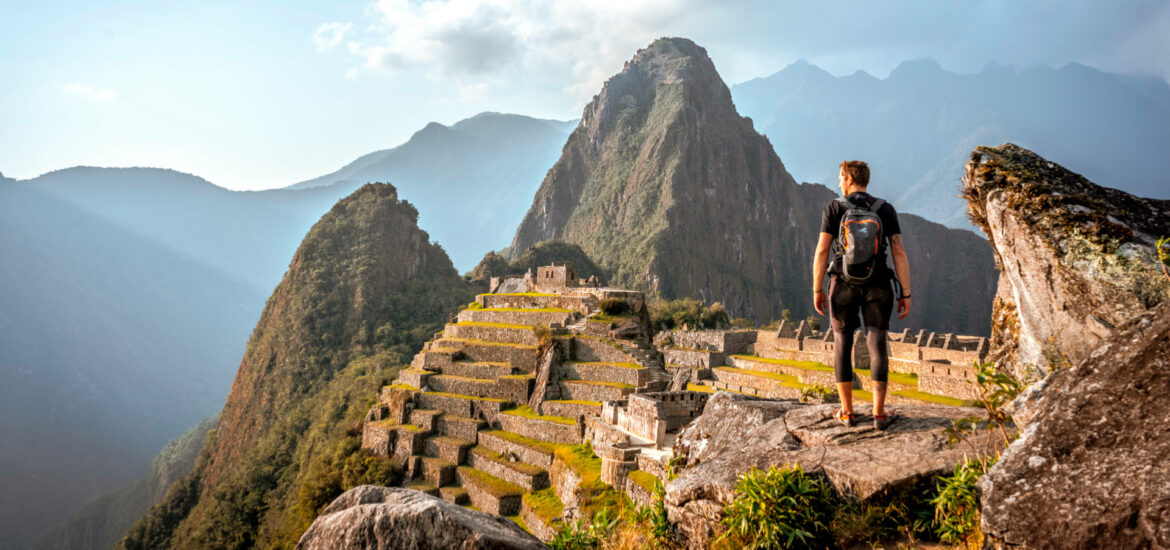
(956, 508)
(614, 306)
(580, 535)
(687, 312)
(779, 508)
(1164, 255)
(813, 322)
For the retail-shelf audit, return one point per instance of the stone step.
(769, 385)
(423, 486)
(516, 316)
(461, 427)
(530, 451)
(462, 405)
(542, 512)
(625, 373)
(571, 409)
(532, 478)
(522, 357)
(806, 372)
(425, 418)
(454, 494)
(489, 493)
(438, 471)
(554, 429)
(416, 378)
(492, 332)
(434, 357)
(590, 390)
(472, 369)
(478, 387)
(452, 449)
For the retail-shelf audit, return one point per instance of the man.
(872, 299)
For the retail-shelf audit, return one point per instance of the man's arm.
(902, 269)
(820, 266)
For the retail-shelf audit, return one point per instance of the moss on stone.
(491, 484)
(401, 386)
(644, 480)
(700, 388)
(545, 504)
(526, 412)
(582, 460)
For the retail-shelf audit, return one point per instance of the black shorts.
(874, 300)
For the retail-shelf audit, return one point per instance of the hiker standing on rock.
(859, 228)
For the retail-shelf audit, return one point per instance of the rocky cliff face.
(363, 290)
(1076, 259)
(671, 191)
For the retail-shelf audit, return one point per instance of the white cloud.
(329, 35)
(87, 92)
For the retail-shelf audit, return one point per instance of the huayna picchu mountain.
(674, 193)
(365, 289)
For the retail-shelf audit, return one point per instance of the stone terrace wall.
(588, 349)
(727, 341)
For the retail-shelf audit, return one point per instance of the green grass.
(412, 428)
(519, 521)
(461, 396)
(527, 310)
(526, 412)
(421, 485)
(810, 365)
(643, 479)
(491, 484)
(517, 376)
(575, 402)
(524, 468)
(609, 319)
(784, 379)
(493, 325)
(923, 396)
(600, 383)
(545, 504)
(519, 294)
(542, 446)
(604, 364)
(470, 341)
(700, 388)
(581, 460)
(401, 386)
(895, 377)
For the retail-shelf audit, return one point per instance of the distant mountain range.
(917, 126)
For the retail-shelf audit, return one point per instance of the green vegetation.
(492, 325)
(644, 480)
(604, 364)
(615, 307)
(816, 393)
(700, 388)
(687, 312)
(575, 402)
(523, 310)
(493, 456)
(545, 504)
(1163, 247)
(894, 377)
(930, 397)
(582, 535)
(601, 383)
(526, 412)
(489, 483)
(468, 397)
(542, 446)
(334, 332)
(779, 508)
(542, 254)
(956, 512)
(809, 365)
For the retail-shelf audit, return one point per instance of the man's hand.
(821, 302)
(903, 308)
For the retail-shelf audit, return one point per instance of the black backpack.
(859, 242)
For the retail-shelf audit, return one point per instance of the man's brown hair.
(858, 170)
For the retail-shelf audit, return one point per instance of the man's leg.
(879, 365)
(843, 366)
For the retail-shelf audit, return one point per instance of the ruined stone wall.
(727, 341)
(587, 349)
(515, 317)
(693, 358)
(951, 380)
(496, 301)
(543, 430)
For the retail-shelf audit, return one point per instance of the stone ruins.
(536, 406)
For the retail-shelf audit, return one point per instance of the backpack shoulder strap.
(877, 203)
(846, 202)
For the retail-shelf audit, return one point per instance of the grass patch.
(923, 396)
(545, 504)
(401, 386)
(700, 388)
(785, 379)
(609, 319)
(421, 485)
(527, 310)
(600, 383)
(471, 342)
(604, 364)
(582, 460)
(895, 377)
(520, 294)
(517, 376)
(526, 412)
(493, 325)
(536, 444)
(575, 402)
(810, 365)
(519, 521)
(469, 397)
(643, 479)
(488, 454)
(489, 483)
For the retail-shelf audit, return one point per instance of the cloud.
(87, 92)
(329, 35)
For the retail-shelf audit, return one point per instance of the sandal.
(881, 422)
(847, 419)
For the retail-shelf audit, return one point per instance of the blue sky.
(254, 95)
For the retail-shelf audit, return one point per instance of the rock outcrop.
(672, 192)
(372, 518)
(1076, 259)
(1090, 469)
(859, 461)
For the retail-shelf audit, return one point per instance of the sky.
(257, 95)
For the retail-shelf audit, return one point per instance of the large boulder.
(1091, 468)
(370, 517)
(859, 461)
(1076, 259)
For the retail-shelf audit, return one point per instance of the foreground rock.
(370, 517)
(736, 433)
(1091, 469)
(1076, 259)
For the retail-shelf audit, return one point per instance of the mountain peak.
(915, 69)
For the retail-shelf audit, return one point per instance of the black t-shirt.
(831, 221)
